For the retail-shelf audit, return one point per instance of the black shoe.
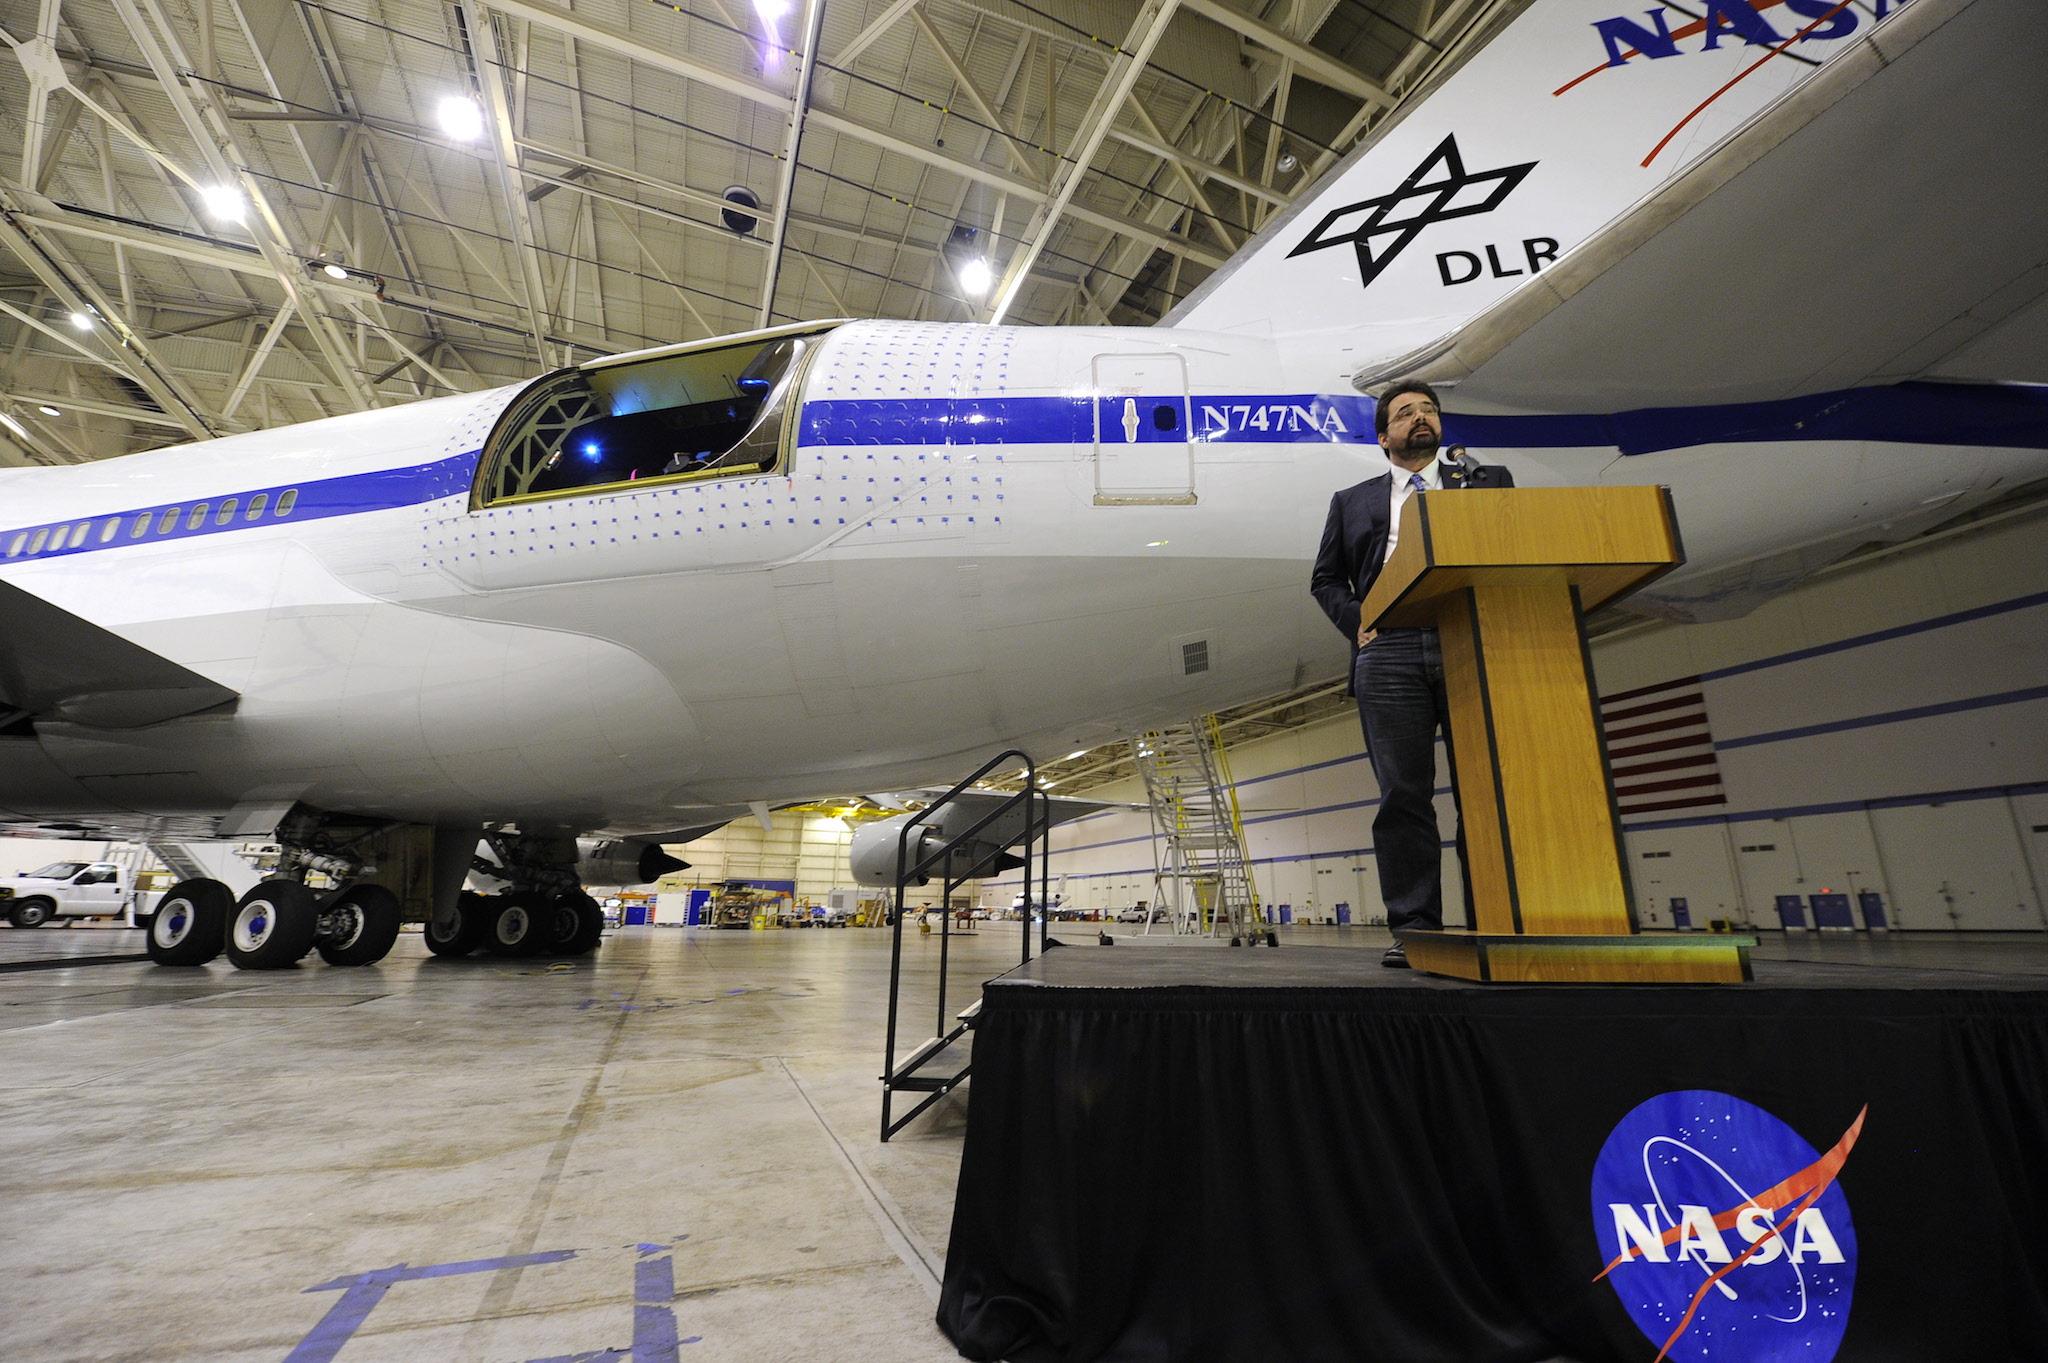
(1396, 957)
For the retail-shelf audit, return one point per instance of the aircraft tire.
(468, 932)
(518, 924)
(31, 913)
(366, 919)
(190, 924)
(579, 925)
(272, 926)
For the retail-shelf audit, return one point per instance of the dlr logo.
(1462, 267)
(1637, 1235)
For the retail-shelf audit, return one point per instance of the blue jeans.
(1399, 681)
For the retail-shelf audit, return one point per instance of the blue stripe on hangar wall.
(1960, 706)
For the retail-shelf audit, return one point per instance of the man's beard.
(1421, 442)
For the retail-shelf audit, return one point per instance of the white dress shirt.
(1432, 481)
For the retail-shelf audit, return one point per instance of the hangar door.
(1142, 454)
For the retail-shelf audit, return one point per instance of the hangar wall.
(809, 848)
(1882, 729)
(18, 855)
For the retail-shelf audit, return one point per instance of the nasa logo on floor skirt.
(1724, 1233)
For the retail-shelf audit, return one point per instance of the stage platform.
(1189, 1153)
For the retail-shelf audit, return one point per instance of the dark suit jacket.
(1355, 540)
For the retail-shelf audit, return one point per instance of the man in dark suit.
(1397, 674)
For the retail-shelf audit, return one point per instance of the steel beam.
(1312, 62)
(75, 290)
(490, 79)
(1136, 50)
(45, 72)
(634, 46)
(814, 18)
(411, 356)
(142, 416)
(1194, 188)
(199, 110)
(880, 25)
(1150, 141)
(974, 95)
(258, 356)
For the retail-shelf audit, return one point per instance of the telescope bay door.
(1142, 455)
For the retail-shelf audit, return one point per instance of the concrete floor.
(211, 1164)
(194, 1153)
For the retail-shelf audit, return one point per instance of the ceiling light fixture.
(460, 117)
(82, 321)
(224, 203)
(962, 251)
(334, 270)
(976, 277)
(47, 410)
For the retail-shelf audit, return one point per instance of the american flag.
(1661, 748)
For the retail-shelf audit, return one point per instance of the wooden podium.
(1507, 576)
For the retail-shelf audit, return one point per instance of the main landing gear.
(282, 920)
(275, 925)
(519, 923)
(544, 913)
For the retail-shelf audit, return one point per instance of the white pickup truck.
(64, 889)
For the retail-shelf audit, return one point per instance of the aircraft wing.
(1061, 808)
(55, 665)
(1924, 152)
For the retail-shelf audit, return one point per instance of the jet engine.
(623, 862)
(876, 845)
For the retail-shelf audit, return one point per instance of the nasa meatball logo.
(1725, 1234)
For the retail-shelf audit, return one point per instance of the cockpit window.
(611, 427)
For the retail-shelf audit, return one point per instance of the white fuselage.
(986, 537)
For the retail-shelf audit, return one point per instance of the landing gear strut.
(546, 912)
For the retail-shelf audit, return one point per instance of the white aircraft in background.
(1786, 259)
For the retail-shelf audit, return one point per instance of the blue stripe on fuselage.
(2010, 416)
(2004, 416)
(378, 490)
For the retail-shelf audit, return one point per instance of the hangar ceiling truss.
(227, 214)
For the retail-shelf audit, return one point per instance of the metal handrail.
(1037, 825)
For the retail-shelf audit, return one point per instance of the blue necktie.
(1415, 482)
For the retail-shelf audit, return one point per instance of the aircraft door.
(1142, 454)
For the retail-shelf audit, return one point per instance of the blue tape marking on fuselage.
(319, 498)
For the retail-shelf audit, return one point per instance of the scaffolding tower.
(1201, 870)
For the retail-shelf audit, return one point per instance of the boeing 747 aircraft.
(1785, 258)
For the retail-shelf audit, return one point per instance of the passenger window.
(79, 533)
(167, 522)
(140, 526)
(14, 545)
(35, 544)
(226, 513)
(256, 505)
(110, 529)
(286, 501)
(705, 412)
(198, 517)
